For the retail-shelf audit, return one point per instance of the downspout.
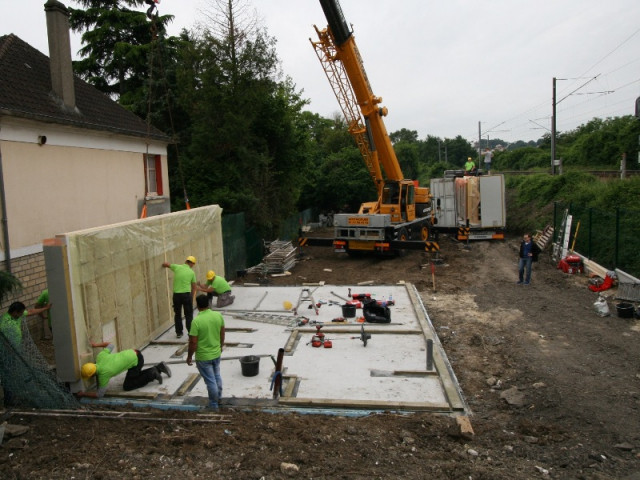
(5, 224)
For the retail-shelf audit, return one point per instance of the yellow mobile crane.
(401, 217)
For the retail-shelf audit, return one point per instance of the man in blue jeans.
(529, 252)
(206, 338)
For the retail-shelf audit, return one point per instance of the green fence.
(243, 246)
(610, 238)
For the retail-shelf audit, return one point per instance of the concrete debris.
(624, 446)
(543, 471)
(289, 469)
(11, 431)
(513, 397)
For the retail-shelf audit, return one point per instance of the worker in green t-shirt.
(206, 339)
(42, 301)
(11, 322)
(184, 289)
(217, 286)
(11, 327)
(470, 167)
(109, 364)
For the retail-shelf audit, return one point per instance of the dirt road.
(554, 392)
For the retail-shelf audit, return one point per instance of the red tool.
(361, 296)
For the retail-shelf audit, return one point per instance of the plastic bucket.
(625, 310)
(348, 311)
(250, 365)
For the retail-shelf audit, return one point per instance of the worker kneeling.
(217, 286)
(109, 364)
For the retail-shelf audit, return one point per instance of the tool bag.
(374, 313)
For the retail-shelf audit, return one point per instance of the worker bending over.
(217, 286)
(109, 364)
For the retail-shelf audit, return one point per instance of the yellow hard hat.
(468, 158)
(191, 259)
(287, 305)
(88, 370)
(210, 274)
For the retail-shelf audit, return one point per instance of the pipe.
(5, 224)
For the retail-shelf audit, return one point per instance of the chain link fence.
(27, 379)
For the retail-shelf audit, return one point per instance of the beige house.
(70, 157)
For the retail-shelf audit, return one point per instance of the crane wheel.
(424, 234)
(403, 235)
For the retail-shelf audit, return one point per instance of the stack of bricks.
(30, 270)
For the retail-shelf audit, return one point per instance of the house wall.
(76, 179)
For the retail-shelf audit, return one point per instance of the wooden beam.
(188, 383)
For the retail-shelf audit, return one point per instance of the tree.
(249, 140)
(117, 41)
(8, 285)
(404, 135)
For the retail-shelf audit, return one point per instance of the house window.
(153, 173)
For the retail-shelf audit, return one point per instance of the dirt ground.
(553, 389)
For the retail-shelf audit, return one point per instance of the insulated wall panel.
(116, 277)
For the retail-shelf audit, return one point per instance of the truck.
(402, 216)
(471, 207)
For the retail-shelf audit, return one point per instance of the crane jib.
(336, 20)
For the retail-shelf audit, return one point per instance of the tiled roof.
(25, 91)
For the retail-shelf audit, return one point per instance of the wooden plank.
(188, 383)
(291, 385)
(364, 404)
(293, 337)
(464, 425)
(450, 387)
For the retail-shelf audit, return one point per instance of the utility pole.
(479, 139)
(553, 129)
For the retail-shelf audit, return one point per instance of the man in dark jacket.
(529, 252)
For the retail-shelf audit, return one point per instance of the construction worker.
(470, 167)
(11, 322)
(109, 364)
(184, 289)
(217, 286)
(206, 339)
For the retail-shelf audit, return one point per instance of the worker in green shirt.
(217, 286)
(206, 339)
(11, 322)
(11, 325)
(109, 364)
(184, 289)
(470, 167)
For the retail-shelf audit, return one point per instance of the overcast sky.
(443, 66)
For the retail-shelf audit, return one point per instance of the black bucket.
(250, 365)
(625, 310)
(348, 311)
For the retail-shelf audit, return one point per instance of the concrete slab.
(389, 373)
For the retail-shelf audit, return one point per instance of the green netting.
(608, 237)
(234, 244)
(27, 379)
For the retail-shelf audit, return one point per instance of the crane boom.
(402, 210)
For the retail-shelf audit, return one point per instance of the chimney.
(60, 53)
